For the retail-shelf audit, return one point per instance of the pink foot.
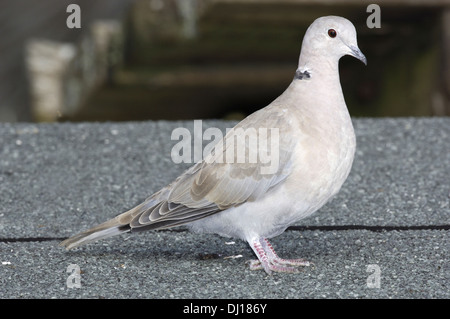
(269, 260)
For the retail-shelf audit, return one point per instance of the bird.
(313, 144)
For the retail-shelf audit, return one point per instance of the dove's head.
(330, 38)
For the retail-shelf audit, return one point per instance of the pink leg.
(269, 260)
(273, 255)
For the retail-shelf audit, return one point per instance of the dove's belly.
(262, 218)
(267, 217)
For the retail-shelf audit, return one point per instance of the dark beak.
(356, 52)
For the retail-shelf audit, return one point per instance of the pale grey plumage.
(316, 148)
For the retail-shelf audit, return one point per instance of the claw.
(269, 260)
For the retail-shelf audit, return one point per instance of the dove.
(311, 134)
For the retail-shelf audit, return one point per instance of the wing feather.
(215, 184)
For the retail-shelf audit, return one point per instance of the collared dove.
(315, 150)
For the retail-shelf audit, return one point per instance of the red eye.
(332, 33)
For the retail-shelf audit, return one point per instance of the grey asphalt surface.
(59, 179)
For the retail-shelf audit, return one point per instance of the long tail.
(105, 230)
(116, 226)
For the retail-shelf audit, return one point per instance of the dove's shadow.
(174, 246)
(171, 246)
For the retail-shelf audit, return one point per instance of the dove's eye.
(332, 33)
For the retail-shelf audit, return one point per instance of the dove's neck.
(322, 85)
(319, 68)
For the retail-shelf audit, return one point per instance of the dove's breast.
(322, 158)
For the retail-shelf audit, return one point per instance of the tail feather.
(118, 225)
(105, 230)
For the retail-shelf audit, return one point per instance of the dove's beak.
(356, 52)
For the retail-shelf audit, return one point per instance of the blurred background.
(186, 59)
